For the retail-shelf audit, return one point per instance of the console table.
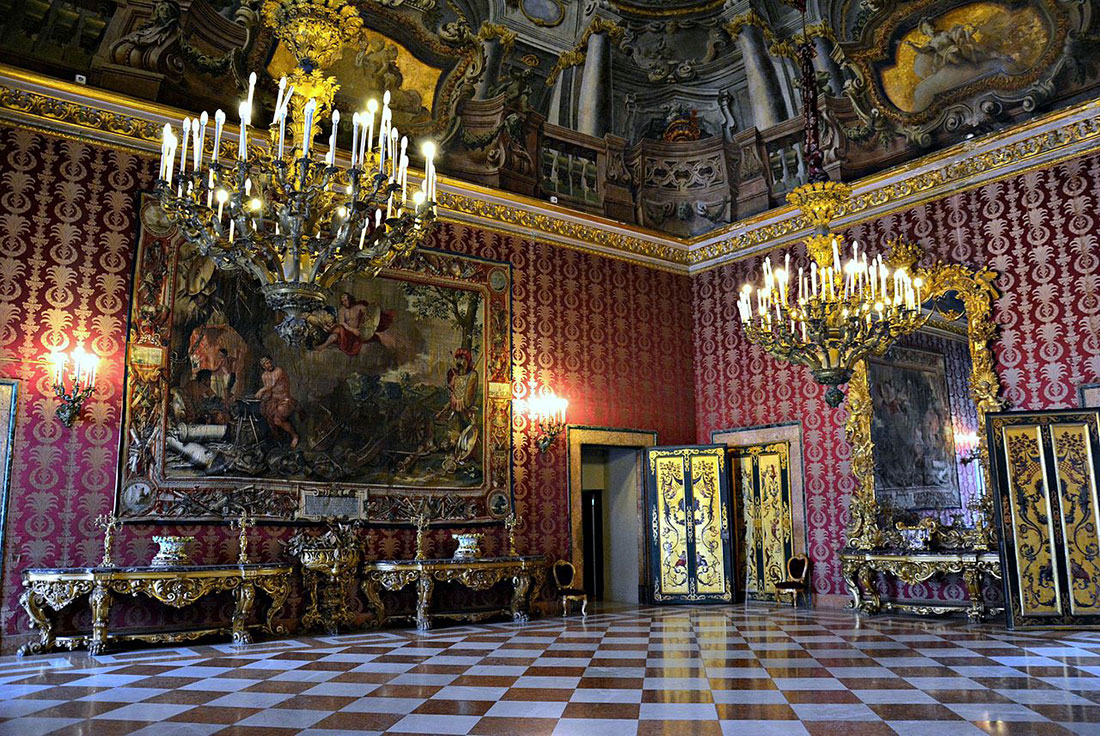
(476, 574)
(48, 590)
(858, 566)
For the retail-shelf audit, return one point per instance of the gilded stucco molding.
(29, 100)
(577, 55)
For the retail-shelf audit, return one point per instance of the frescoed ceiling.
(704, 98)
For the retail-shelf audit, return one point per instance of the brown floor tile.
(556, 695)
(820, 696)
(75, 709)
(316, 702)
(104, 727)
(484, 680)
(915, 712)
(185, 697)
(514, 727)
(755, 712)
(437, 669)
(279, 686)
(214, 714)
(257, 731)
(677, 696)
(455, 707)
(553, 671)
(743, 683)
(968, 696)
(405, 691)
(679, 728)
(365, 678)
(601, 710)
(848, 728)
(875, 683)
(359, 721)
(611, 683)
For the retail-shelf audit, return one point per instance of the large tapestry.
(912, 431)
(399, 406)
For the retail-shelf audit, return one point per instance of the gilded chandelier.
(274, 209)
(835, 314)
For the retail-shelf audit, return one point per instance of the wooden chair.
(565, 575)
(798, 580)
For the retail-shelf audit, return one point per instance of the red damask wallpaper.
(1040, 231)
(612, 337)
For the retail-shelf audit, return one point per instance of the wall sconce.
(81, 382)
(546, 411)
(966, 445)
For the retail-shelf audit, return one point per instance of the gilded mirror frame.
(976, 291)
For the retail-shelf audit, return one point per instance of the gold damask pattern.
(1077, 499)
(1040, 590)
(670, 526)
(709, 519)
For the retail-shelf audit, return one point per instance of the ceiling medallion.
(296, 222)
(831, 316)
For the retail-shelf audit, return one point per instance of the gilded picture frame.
(407, 415)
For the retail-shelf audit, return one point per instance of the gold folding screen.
(1044, 466)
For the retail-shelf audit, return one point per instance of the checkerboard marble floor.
(738, 671)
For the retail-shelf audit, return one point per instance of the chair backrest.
(564, 573)
(797, 568)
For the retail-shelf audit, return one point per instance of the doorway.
(612, 525)
(607, 509)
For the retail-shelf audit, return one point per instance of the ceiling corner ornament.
(840, 314)
(923, 68)
(295, 223)
(490, 31)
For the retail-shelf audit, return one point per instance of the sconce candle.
(81, 382)
(547, 413)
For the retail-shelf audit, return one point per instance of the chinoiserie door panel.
(1080, 513)
(763, 481)
(689, 527)
(1044, 468)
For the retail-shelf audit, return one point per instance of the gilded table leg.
(871, 603)
(372, 591)
(101, 611)
(277, 588)
(973, 579)
(850, 572)
(424, 586)
(32, 603)
(245, 595)
(312, 617)
(344, 588)
(522, 583)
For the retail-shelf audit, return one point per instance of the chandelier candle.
(296, 224)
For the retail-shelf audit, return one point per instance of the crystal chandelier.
(834, 314)
(274, 209)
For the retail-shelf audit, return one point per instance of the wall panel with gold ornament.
(762, 481)
(689, 524)
(1045, 469)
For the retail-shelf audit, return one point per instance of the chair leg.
(584, 607)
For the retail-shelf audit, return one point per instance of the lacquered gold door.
(689, 526)
(1045, 467)
(762, 478)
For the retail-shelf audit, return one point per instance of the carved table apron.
(51, 589)
(476, 574)
(858, 566)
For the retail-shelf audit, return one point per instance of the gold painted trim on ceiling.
(34, 101)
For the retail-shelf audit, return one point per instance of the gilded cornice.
(750, 18)
(33, 101)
